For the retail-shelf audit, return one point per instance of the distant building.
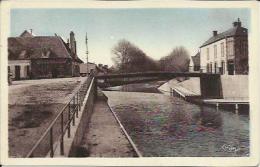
(102, 69)
(226, 52)
(86, 68)
(196, 62)
(31, 56)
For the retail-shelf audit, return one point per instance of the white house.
(226, 52)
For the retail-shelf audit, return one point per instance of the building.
(196, 62)
(226, 52)
(102, 69)
(31, 56)
(86, 68)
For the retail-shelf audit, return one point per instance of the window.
(222, 49)
(230, 48)
(245, 51)
(215, 51)
(240, 47)
(207, 53)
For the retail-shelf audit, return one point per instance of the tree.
(129, 58)
(178, 60)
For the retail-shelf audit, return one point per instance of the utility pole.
(87, 50)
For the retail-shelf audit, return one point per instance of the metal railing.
(61, 125)
(204, 69)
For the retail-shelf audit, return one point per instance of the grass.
(32, 107)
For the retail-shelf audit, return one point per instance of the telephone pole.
(87, 50)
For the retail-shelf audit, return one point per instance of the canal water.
(161, 125)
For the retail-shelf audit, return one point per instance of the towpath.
(105, 137)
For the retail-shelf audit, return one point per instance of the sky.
(156, 31)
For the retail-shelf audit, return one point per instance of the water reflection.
(161, 125)
(210, 117)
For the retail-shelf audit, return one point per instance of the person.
(9, 78)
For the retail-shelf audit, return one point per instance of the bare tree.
(129, 58)
(178, 60)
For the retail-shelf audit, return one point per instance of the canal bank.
(106, 136)
(162, 125)
(234, 91)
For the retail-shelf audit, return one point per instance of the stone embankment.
(233, 87)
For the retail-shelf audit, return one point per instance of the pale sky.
(156, 31)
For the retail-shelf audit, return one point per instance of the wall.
(78, 131)
(241, 52)
(212, 59)
(82, 127)
(75, 69)
(86, 68)
(235, 86)
(22, 64)
(192, 84)
(45, 68)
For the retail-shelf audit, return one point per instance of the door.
(222, 67)
(54, 72)
(230, 68)
(210, 68)
(215, 67)
(28, 75)
(17, 72)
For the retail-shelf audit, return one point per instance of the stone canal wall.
(192, 84)
(233, 86)
(83, 121)
(77, 131)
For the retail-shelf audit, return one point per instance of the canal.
(161, 125)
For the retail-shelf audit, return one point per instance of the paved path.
(105, 138)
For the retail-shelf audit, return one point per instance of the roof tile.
(230, 32)
(35, 46)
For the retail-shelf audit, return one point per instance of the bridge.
(210, 84)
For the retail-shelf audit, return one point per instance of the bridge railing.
(203, 69)
(54, 136)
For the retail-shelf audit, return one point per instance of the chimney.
(237, 23)
(31, 30)
(215, 33)
(68, 43)
(73, 44)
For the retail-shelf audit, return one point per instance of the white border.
(254, 62)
